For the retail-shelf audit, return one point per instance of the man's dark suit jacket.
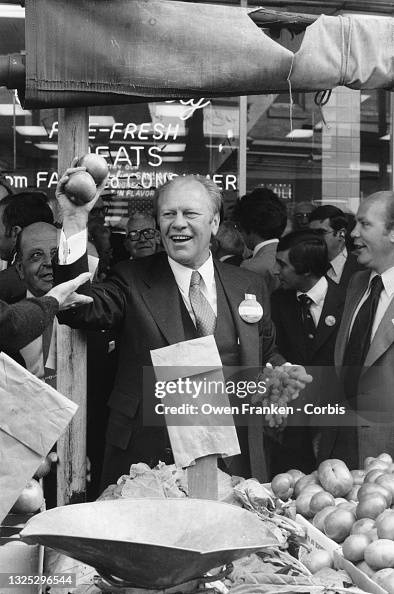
(12, 287)
(351, 266)
(141, 300)
(316, 355)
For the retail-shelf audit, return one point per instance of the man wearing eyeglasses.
(331, 222)
(142, 236)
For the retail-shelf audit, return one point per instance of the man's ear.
(391, 235)
(15, 230)
(157, 237)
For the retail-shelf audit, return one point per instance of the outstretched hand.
(65, 292)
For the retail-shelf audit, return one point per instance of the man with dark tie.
(306, 311)
(365, 344)
(163, 299)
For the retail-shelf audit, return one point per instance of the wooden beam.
(202, 478)
(392, 138)
(71, 344)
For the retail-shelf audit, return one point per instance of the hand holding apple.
(75, 216)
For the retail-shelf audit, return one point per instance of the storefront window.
(333, 154)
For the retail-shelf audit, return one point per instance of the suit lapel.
(354, 294)
(383, 338)
(161, 295)
(248, 333)
(333, 303)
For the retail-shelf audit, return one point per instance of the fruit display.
(81, 186)
(354, 508)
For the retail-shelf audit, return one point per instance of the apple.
(319, 518)
(372, 475)
(320, 500)
(304, 499)
(372, 488)
(385, 525)
(282, 486)
(338, 523)
(30, 500)
(335, 477)
(385, 457)
(371, 506)
(378, 464)
(354, 546)
(386, 481)
(295, 473)
(368, 461)
(80, 187)
(317, 559)
(301, 483)
(95, 165)
(380, 553)
(363, 526)
(385, 579)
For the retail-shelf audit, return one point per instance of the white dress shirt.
(336, 266)
(262, 244)
(384, 300)
(318, 294)
(32, 353)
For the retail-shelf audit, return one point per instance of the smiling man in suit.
(307, 311)
(164, 299)
(364, 352)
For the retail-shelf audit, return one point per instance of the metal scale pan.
(151, 543)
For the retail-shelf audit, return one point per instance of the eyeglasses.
(136, 235)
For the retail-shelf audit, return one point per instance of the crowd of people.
(325, 281)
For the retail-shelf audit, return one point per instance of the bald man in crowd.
(37, 246)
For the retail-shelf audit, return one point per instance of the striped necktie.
(204, 314)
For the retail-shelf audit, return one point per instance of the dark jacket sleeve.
(109, 298)
(270, 350)
(25, 321)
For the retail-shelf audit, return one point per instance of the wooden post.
(202, 478)
(392, 138)
(71, 344)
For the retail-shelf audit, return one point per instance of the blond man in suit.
(364, 352)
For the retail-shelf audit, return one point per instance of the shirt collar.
(318, 292)
(339, 262)
(183, 274)
(262, 244)
(387, 280)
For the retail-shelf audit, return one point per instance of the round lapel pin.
(250, 309)
(330, 321)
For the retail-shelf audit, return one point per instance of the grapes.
(283, 385)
